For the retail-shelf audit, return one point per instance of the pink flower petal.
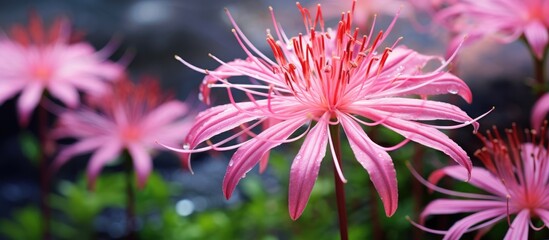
(141, 163)
(164, 114)
(219, 119)
(376, 161)
(29, 99)
(81, 147)
(66, 93)
(8, 89)
(249, 154)
(452, 206)
(305, 166)
(537, 37)
(429, 137)
(461, 226)
(543, 214)
(480, 178)
(106, 153)
(539, 111)
(414, 109)
(519, 227)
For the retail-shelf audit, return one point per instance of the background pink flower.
(539, 111)
(505, 20)
(132, 118)
(321, 79)
(35, 60)
(515, 181)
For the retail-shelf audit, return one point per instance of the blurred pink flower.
(539, 111)
(324, 78)
(132, 118)
(34, 60)
(366, 9)
(505, 20)
(515, 182)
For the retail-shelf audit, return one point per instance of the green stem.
(130, 198)
(339, 185)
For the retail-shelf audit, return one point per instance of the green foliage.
(30, 146)
(25, 224)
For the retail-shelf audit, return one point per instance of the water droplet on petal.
(298, 157)
(200, 97)
(231, 163)
(186, 146)
(452, 91)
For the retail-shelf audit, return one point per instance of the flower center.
(130, 134)
(42, 72)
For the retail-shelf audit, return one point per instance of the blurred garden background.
(175, 204)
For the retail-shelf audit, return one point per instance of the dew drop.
(186, 146)
(231, 163)
(200, 97)
(452, 91)
(298, 157)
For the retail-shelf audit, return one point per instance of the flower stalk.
(339, 184)
(44, 177)
(130, 196)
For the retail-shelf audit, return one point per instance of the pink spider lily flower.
(35, 60)
(132, 118)
(324, 78)
(505, 20)
(515, 182)
(539, 111)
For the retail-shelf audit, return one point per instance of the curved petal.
(66, 93)
(376, 161)
(480, 178)
(164, 114)
(413, 109)
(305, 166)
(29, 99)
(108, 152)
(83, 146)
(8, 89)
(429, 137)
(461, 226)
(537, 37)
(222, 118)
(543, 214)
(519, 227)
(539, 111)
(452, 206)
(141, 163)
(247, 156)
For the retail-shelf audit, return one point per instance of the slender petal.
(106, 153)
(376, 161)
(451, 206)
(461, 226)
(141, 162)
(28, 100)
(430, 137)
(248, 155)
(305, 166)
(539, 111)
(479, 178)
(519, 227)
